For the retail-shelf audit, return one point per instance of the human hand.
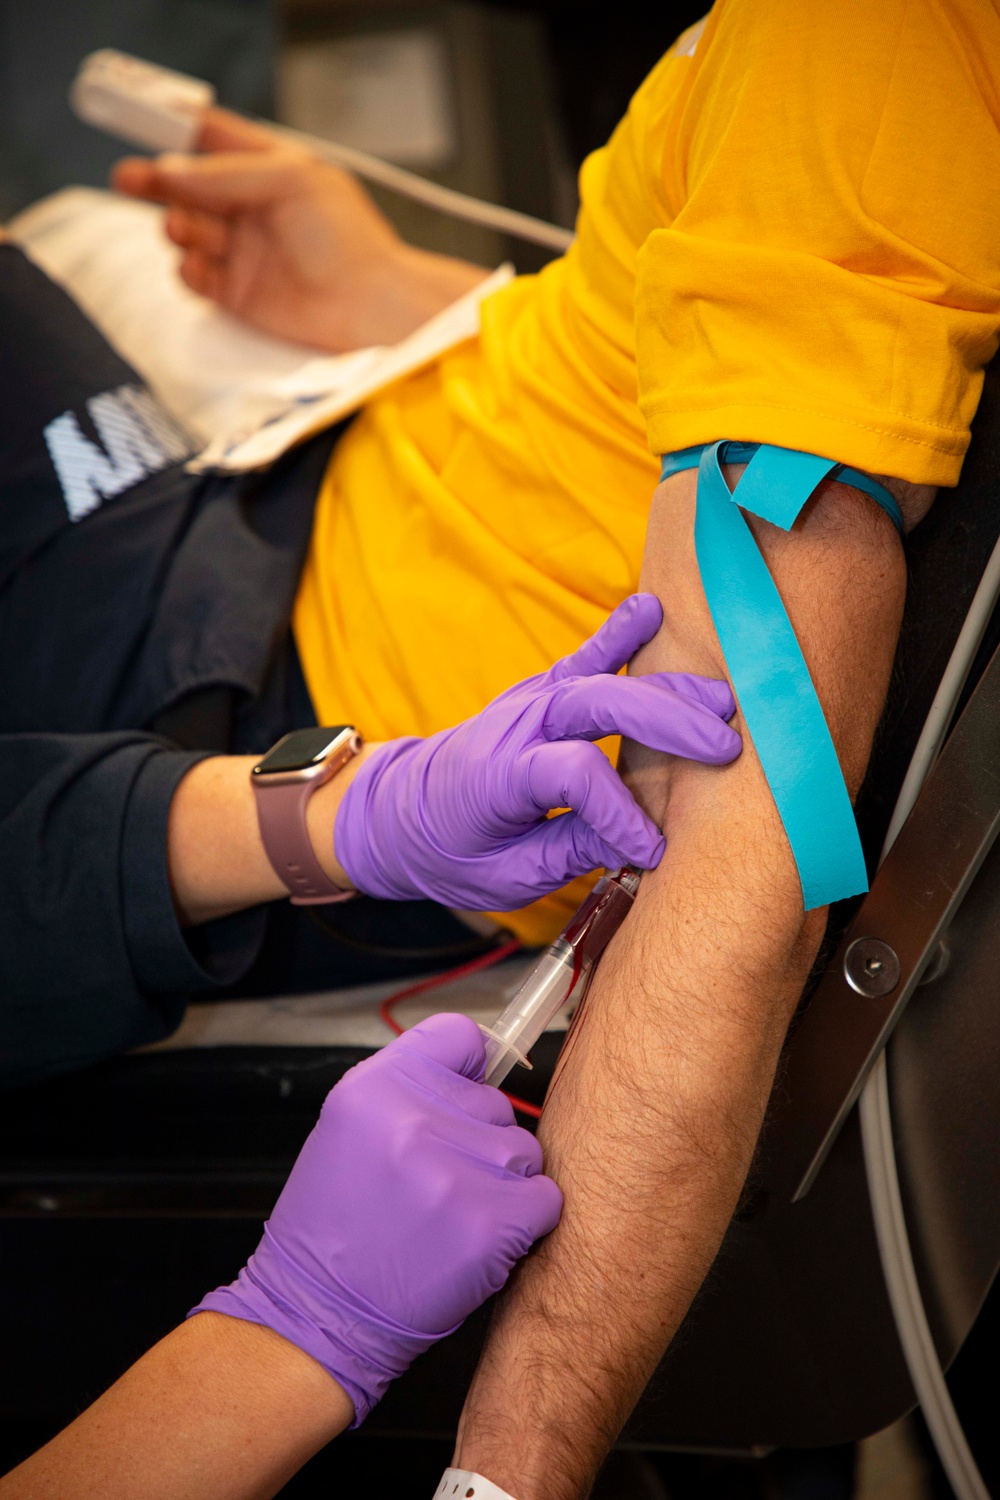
(290, 244)
(408, 1205)
(461, 817)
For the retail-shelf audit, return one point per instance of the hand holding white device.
(162, 110)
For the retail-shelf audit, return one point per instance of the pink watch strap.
(281, 816)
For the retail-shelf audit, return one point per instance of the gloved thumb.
(451, 1039)
(541, 1205)
(585, 850)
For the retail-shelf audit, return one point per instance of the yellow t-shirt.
(793, 237)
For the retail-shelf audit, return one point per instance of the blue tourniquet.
(768, 671)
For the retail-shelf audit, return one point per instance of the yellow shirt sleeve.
(830, 276)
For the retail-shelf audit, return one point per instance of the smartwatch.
(283, 782)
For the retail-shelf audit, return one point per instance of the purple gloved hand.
(408, 1205)
(461, 817)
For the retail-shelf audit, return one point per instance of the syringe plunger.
(536, 1004)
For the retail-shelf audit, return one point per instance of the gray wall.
(42, 145)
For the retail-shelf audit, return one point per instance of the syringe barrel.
(564, 968)
(537, 1002)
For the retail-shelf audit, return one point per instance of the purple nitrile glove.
(408, 1205)
(461, 817)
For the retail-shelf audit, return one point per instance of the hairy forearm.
(649, 1130)
(215, 854)
(652, 1119)
(219, 1407)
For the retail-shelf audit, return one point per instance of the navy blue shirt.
(144, 621)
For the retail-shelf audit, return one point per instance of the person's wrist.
(259, 1348)
(435, 281)
(400, 288)
(321, 817)
(325, 1322)
(216, 860)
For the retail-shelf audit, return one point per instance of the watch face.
(305, 747)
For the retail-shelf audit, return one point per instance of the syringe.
(563, 971)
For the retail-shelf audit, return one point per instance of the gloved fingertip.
(641, 843)
(729, 745)
(635, 621)
(548, 1205)
(524, 1152)
(592, 853)
(713, 693)
(645, 853)
(720, 698)
(655, 854)
(502, 1111)
(451, 1039)
(646, 613)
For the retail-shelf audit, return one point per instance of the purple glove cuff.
(366, 822)
(271, 1292)
(298, 1331)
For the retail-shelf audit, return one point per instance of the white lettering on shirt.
(139, 438)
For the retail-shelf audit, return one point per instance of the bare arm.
(215, 854)
(668, 1073)
(219, 1407)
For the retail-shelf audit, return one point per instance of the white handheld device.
(140, 101)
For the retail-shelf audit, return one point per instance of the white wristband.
(462, 1484)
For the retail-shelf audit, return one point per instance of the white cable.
(900, 1275)
(445, 200)
(952, 682)
(915, 1335)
